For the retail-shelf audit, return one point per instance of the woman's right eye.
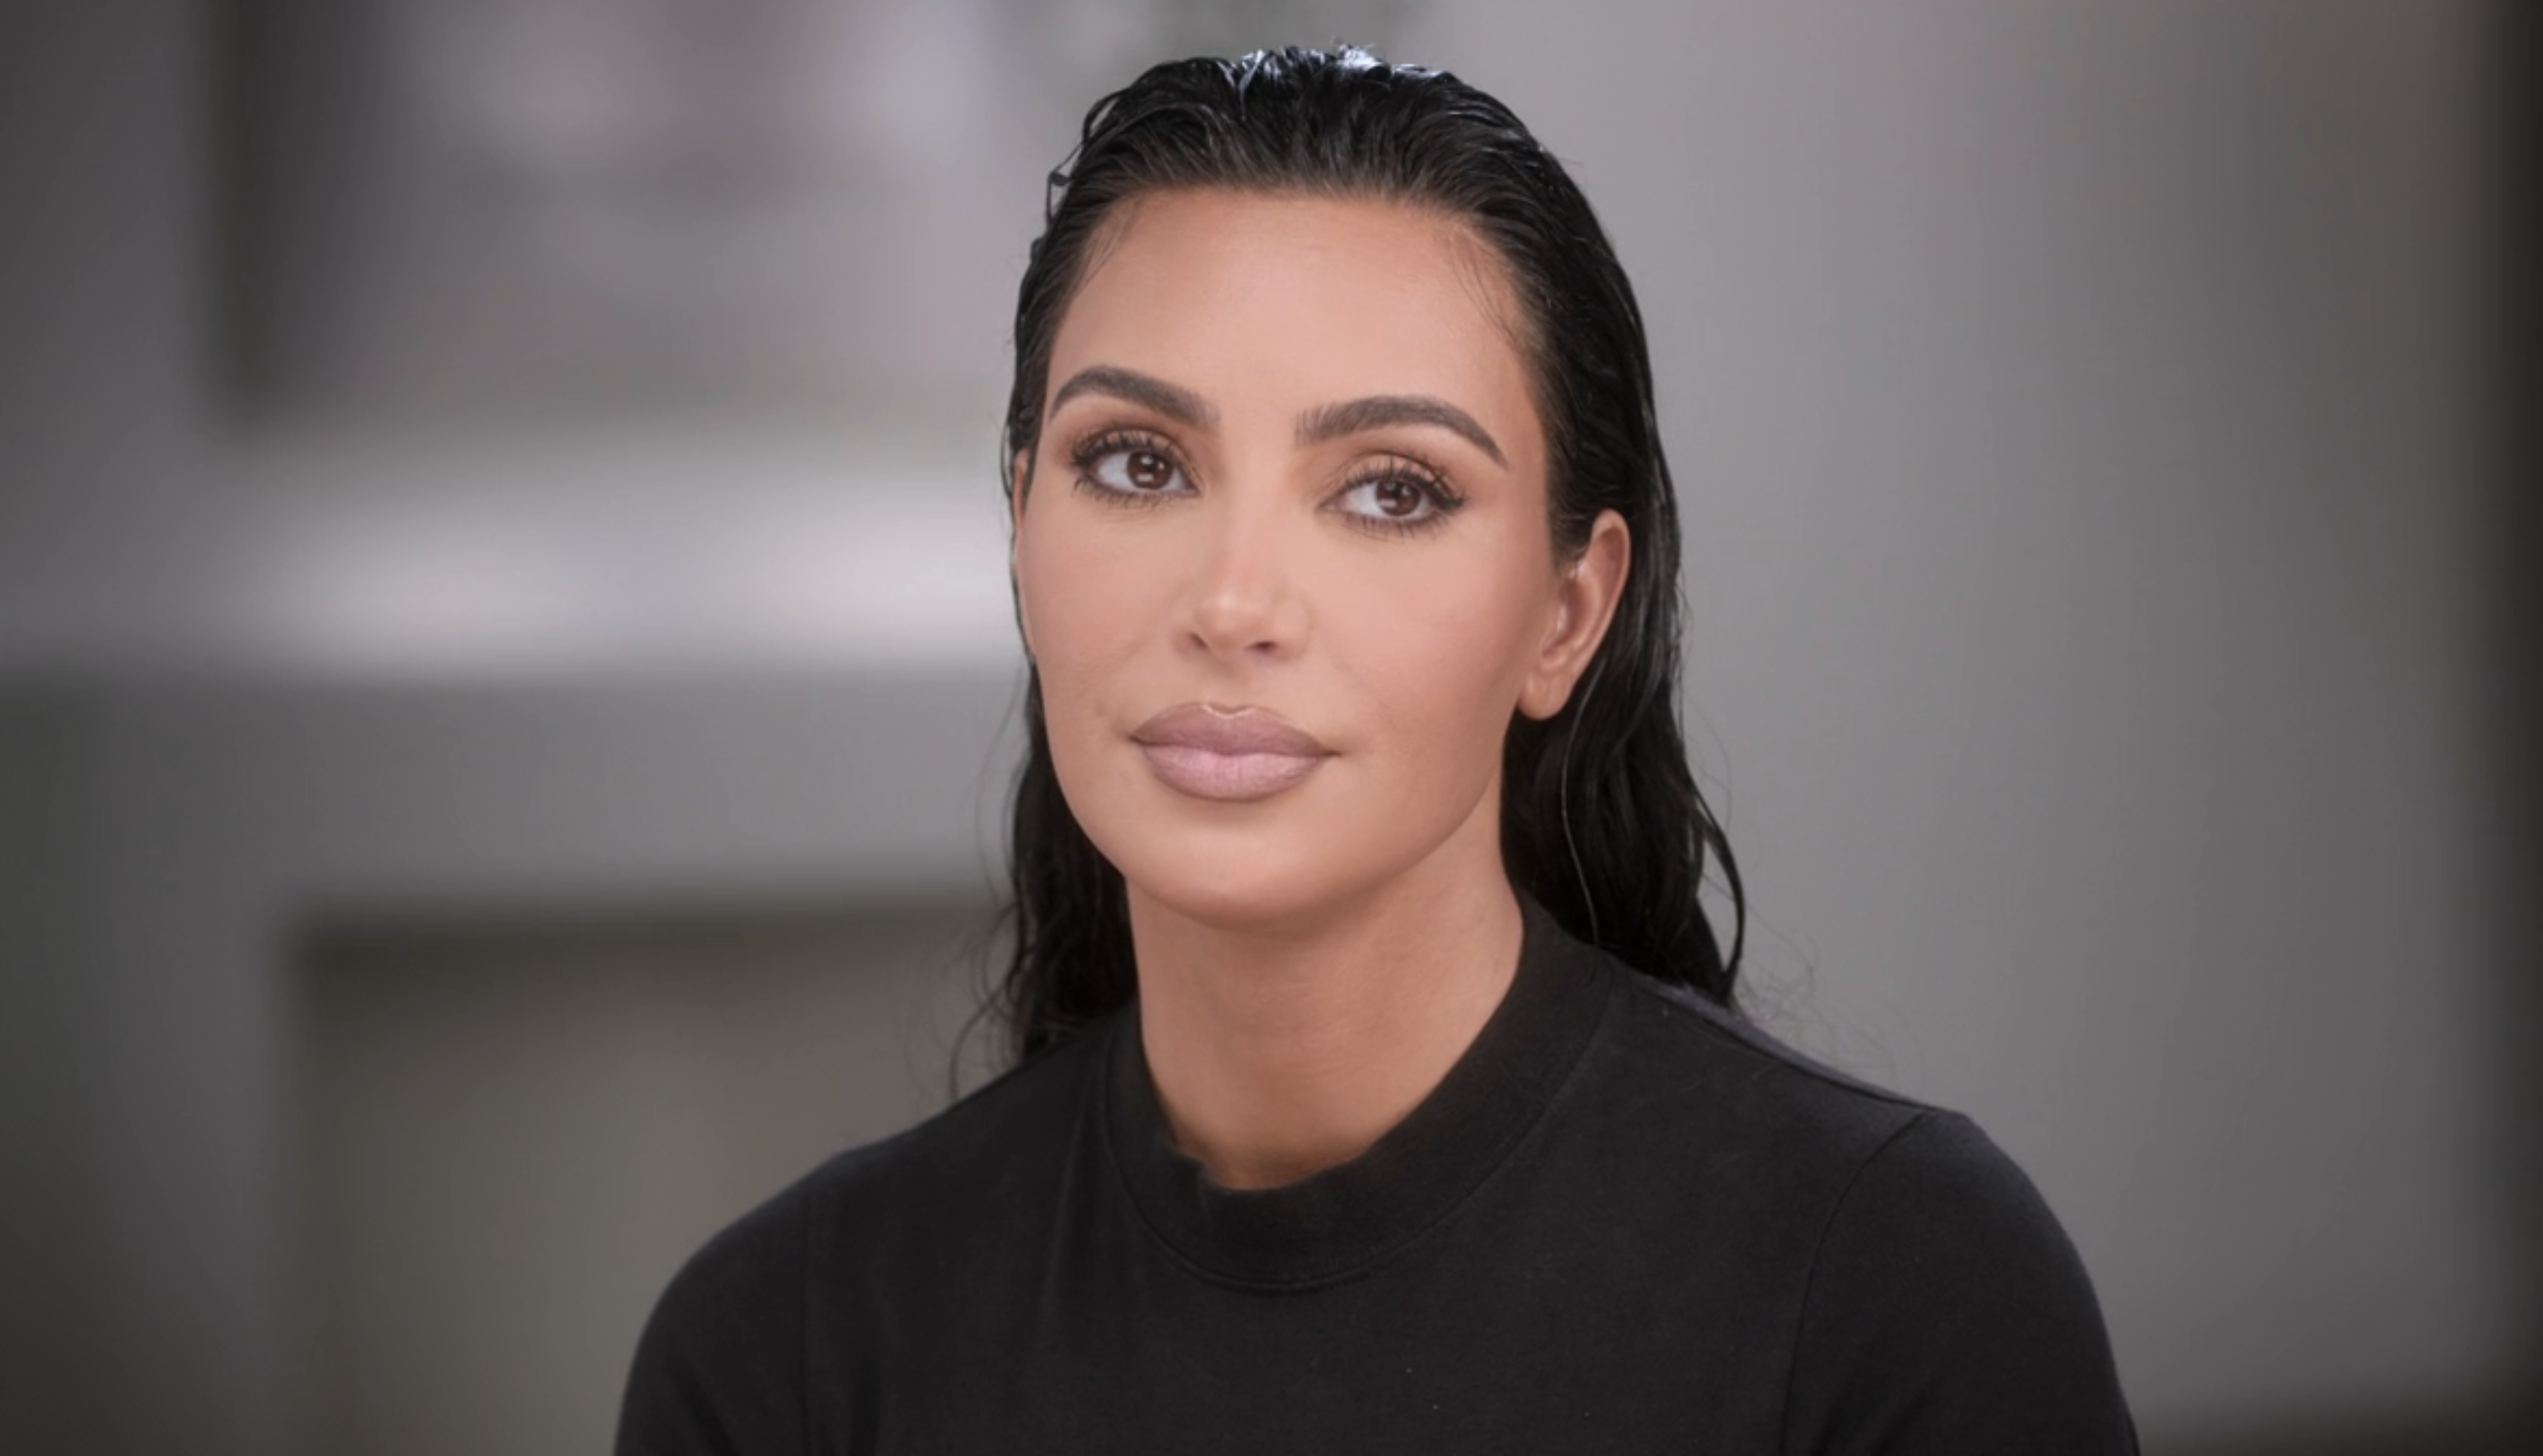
(1132, 470)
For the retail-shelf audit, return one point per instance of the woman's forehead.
(1318, 294)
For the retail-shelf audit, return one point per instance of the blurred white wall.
(2074, 409)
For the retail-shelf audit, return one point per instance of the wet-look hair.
(1601, 819)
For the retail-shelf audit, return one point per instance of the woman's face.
(1283, 555)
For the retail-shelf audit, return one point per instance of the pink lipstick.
(1234, 754)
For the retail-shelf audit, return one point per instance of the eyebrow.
(1176, 403)
(1315, 427)
(1334, 422)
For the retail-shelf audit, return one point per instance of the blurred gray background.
(505, 665)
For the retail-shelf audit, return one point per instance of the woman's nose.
(1246, 600)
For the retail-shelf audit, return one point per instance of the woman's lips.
(1227, 753)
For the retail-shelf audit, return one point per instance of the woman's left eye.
(1396, 499)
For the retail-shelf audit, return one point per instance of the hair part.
(1601, 820)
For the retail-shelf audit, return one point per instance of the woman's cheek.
(1079, 595)
(1449, 640)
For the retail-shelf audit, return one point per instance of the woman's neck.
(1280, 1052)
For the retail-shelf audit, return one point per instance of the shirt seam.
(1818, 1251)
(1756, 1043)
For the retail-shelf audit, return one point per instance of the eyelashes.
(1134, 467)
(1390, 495)
(1396, 495)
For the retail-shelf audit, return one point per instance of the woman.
(1379, 1087)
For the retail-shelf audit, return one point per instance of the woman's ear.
(1585, 602)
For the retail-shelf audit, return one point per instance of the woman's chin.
(1243, 898)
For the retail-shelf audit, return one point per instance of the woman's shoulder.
(723, 1353)
(1013, 1130)
(1698, 1064)
(1946, 1297)
(1926, 1272)
(1709, 1077)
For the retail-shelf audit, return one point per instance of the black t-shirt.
(1625, 1221)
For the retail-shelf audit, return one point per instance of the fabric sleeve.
(718, 1368)
(1948, 1313)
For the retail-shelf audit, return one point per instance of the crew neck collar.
(1335, 1223)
